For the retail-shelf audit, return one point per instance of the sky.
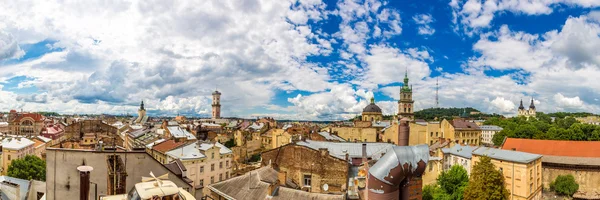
(303, 60)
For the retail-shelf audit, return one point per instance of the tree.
(453, 182)
(30, 167)
(486, 182)
(564, 184)
(230, 143)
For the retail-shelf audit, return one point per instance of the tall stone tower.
(405, 104)
(216, 105)
(141, 111)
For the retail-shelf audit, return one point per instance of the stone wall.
(297, 161)
(588, 179)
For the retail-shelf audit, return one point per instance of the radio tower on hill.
(437, 99)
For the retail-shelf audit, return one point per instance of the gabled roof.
(167, 146)
(331, 137)
(554, 147)
(464, 125)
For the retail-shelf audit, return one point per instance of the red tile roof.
(36, 117)
(554, 147)
(168, 145)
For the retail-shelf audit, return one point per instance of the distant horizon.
(312, 60)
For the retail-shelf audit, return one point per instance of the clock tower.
(406, 103)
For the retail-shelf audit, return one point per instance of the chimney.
(347, 156)
(272, 189)
(282, 177)
(403, 132)
(84, 182)
(364, 152)
(323, 151)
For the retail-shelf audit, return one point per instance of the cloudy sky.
(306, 59)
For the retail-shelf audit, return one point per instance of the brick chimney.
(403, 132)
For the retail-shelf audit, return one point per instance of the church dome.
(372, 108)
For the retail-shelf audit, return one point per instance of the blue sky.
(306, 59)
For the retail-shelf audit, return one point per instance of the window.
(212, 155)
(201, 169)
(220, 177)
(500, 169)
(431, 134)
(201, 183)
(226, 175)
(212, 179)
(307, 180)
(212, 167)
(221, 165)
(430, 167)
(8, 157)
(227, 163)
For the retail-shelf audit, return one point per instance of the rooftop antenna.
(437, 88)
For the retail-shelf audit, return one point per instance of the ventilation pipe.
(389, 178)
(84, 182)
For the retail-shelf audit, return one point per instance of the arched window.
(408, 109)
(404, 109)
(371, 118)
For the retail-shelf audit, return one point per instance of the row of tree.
(545, 128)
(485, 183)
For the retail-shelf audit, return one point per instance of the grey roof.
(399, 155)
(139, 133)
(232, 124)
(179, 132)
(329, 136)
(192, 151)
(255, 185)
(23, 186)
(460, 150)
(381, 124)
(490, 128)
(372, 108)
(513, 156)
(354, 150)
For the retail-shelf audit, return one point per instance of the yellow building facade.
(420, 133)
(356, 134)
(461, 132)
(522, 171)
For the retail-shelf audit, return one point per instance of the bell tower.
(216, 105)
(405, 104)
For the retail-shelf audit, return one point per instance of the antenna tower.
(437, 88)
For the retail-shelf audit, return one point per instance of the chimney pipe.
(364, 152)
(84, 182)
(403, 132)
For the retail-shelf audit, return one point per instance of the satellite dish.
(325, 187)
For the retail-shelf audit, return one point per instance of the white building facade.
(488, 132)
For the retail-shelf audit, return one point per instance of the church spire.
(532, 106)
(521, 107)
(142, 105)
